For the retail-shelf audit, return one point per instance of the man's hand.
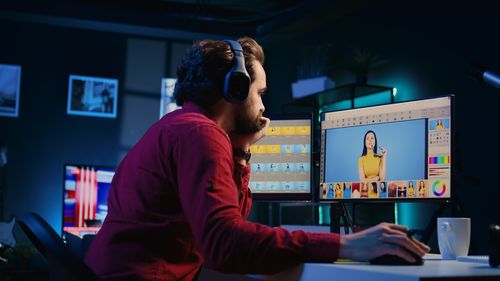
(244, 141)
(384, 238)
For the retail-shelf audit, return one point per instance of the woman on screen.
(338, 191)
(347, 190)
(364, 186)
(439, 125)
(372, 190)
(421, 189)
(382, 187)
(355, 190)
(411, 190)
(330, 191)
(402, 189)
(371, 166)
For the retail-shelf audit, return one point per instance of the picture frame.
(167, 102)
(92, 96)
(10, 85)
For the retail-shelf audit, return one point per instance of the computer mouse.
(395, 260)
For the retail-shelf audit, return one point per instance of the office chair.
(64, 263)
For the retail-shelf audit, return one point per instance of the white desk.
(432, 270)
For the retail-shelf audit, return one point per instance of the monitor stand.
(339, 211)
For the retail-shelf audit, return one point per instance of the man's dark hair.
(200, 77)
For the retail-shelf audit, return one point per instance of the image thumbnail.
(439, 124)
(393, 189)
(355, 190)
(411, 189)
(402, 189)
(372, 190)
(347, 190)
(382, 189)
(422, 189)
(339, 191)
(364, 187)
(330, 191)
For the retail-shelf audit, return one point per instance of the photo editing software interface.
(398, 151)
(85, 198)
(281, 161)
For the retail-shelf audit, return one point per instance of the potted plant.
(362, 63)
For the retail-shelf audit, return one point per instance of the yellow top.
(338, 193)
(411, 192)
(421, 192)
(371, 192)
(370, 164)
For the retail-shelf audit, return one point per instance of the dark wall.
(44, 138)
(429, 48)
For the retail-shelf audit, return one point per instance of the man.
(180, 197)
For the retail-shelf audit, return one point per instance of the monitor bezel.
(291, 197)
(62, 232)
(398, 200)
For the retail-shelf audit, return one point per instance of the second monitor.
(281, 161)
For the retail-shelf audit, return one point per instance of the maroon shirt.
(178, 200)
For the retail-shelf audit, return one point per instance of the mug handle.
(446, 226)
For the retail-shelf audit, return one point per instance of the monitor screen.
(85, 198)
(281, 161)
(400, 151)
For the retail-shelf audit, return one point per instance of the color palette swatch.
(439, 188)
(439, 171)
(439, 159)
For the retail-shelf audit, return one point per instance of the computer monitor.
(85, 198)
(281, 161)
(393, 152)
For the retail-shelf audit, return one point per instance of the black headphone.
(237, 82)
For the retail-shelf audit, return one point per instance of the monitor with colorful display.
(399, 151)
(85, 198)
(281, 161)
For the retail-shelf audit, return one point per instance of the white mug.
(453, 237)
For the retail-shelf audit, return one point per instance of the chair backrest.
(66, 263)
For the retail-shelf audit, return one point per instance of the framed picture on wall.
(92, 96)
(10, 84)
(167, 102)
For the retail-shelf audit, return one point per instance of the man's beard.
(245, 125)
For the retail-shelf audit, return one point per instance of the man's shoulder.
(196, 131)
(181, 116)
(189, 123)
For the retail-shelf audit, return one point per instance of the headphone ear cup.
(237, 81)
(236, 86)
